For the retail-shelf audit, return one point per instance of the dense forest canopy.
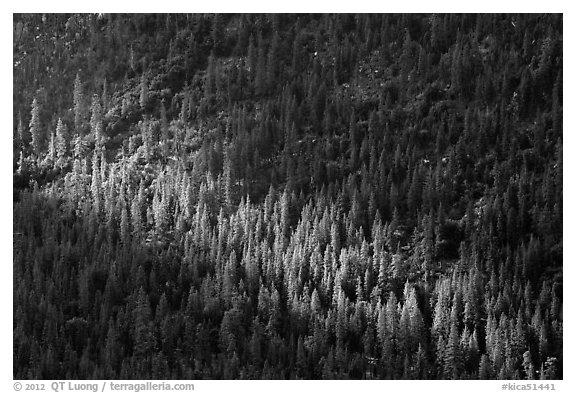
(287, 196)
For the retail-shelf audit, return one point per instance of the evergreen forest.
(325, 196)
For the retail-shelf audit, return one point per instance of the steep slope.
(288, 196)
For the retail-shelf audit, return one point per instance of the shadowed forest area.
(287, 196)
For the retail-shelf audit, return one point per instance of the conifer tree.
(143, 91)
(79, 105)
(61, 142)
(22, 135)
(96, 126)
(35, 128)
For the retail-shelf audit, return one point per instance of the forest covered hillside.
(287, 196)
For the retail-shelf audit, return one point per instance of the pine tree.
(136, 214)
(22, 135)
(452, 360)
(79, 106)
(164, 131)
(105, 96)
(35, 128)
(315, 305)
(143, 91)
(96, 186)
(485, 371)
(22, 164)
(227, 180)
(404, 334)
(61, 142)
(230, 330)
(112, 347)
(285, 214)
(124, 226)
(143, 336)
(96, 126)
(160, 208)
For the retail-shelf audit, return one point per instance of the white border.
(568, 385)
